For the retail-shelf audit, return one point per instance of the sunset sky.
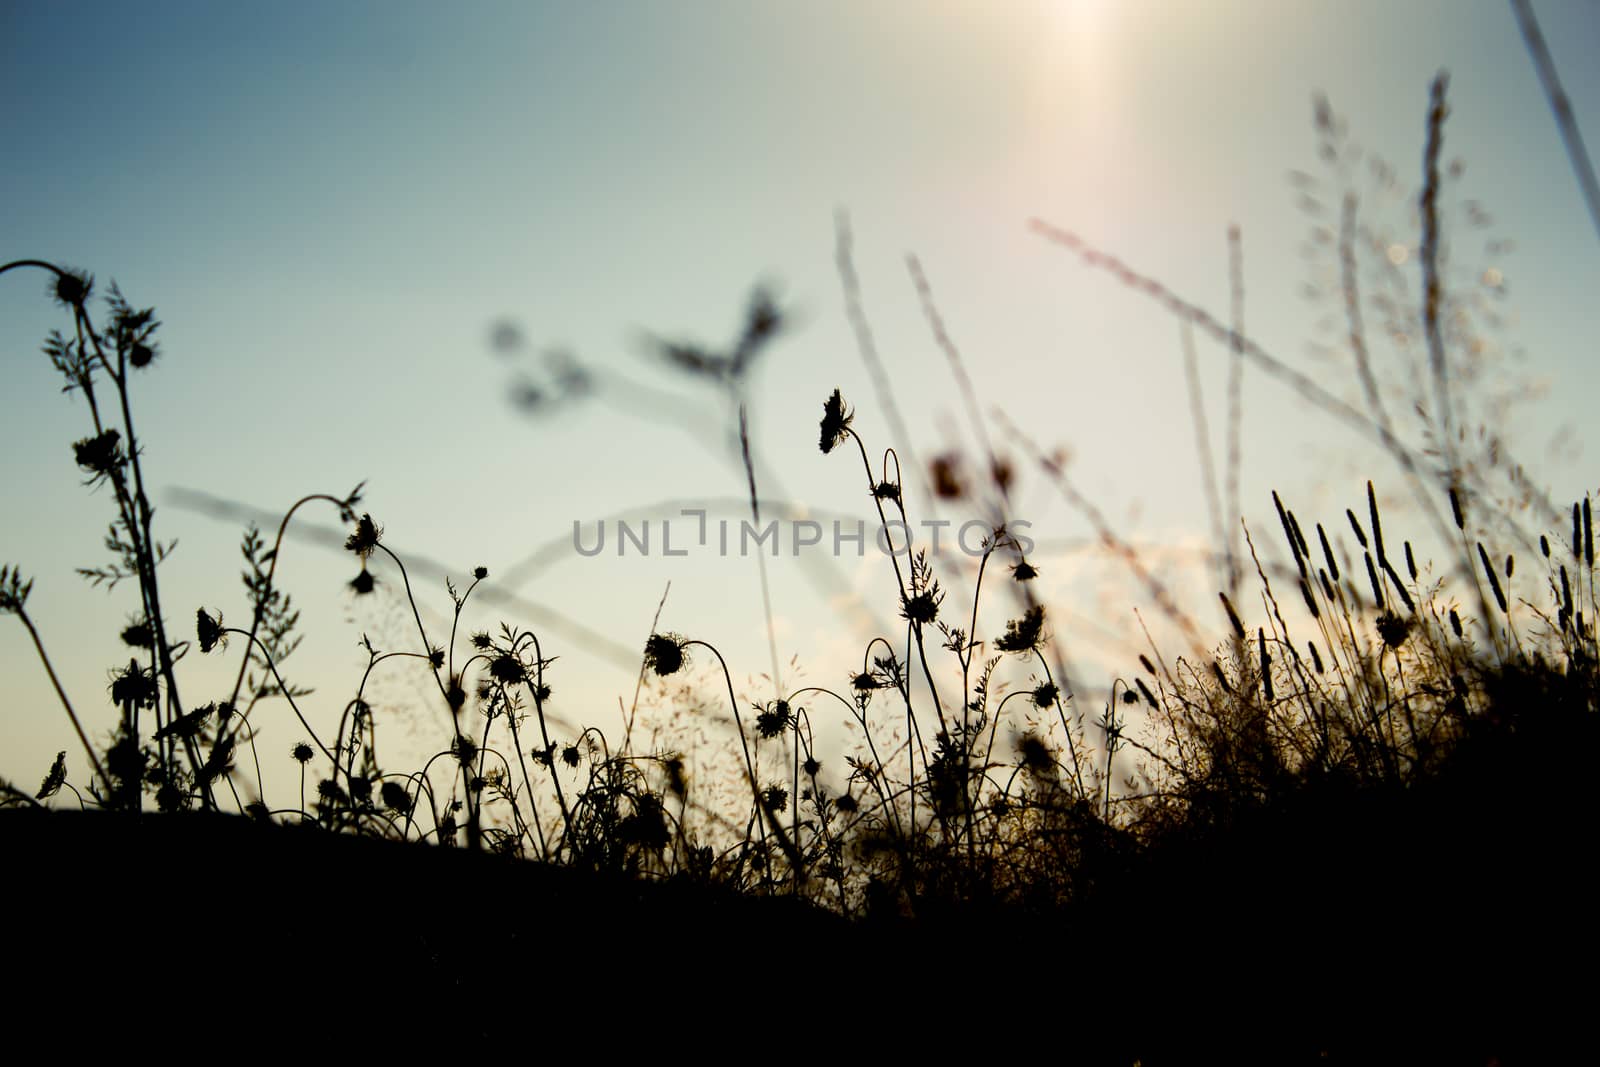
(334, 207)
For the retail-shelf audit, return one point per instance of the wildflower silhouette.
(836, 421)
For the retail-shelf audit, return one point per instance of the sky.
(336, 209)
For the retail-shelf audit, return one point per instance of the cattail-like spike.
(1266, 664)
(1233, 616)
(1300, 538)
(1399, 587)
(1149, 697)
(1144, 661)
(1311, 601)
(1356, 526)
(1577, 532)
(1494, 579)
(1510, 563)
(1455, 509)
(1411, 562)
(1222, 679)
(1327, 586)
(1566, 592)
(1588, 536)
(1455, 622)
(1377, 530)
(1288, 532)
(1377, 586)
(1327, 552)
(1316, 658)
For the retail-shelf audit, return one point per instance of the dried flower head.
(846, 803)
(507, 669)
(363, 583)
(1023, 635)
(480, 573)
(947, 480)
(1044, 695)
(53, 778)
(138, 635)
(836, 420)
(922, 608)
(864, 682)
(365, 538)
(100, 455)
(664, 654)
(1393, 629)
(209, 631)
(395, 797)
(134, 685)
(301, 752)
(71, 288)
(1024, 572)
(570, 755)
(886, 491)
(773, 719)
(775, 797)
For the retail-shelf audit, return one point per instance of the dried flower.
(1044, 695)
(134, 686)
(480, 573)
(947, 481)
(53, 779)
(301, 752)
(773, 719)
(138, 635)
(395, 797)
(209, 631)
(1023, 635)
(836, 420)
(663, 653)
(365, 538)
(1024, 572)
(922, 608)
(71, 288)
(101, 454)
(1393, 629)
(363, 583)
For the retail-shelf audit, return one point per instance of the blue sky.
(331, 206)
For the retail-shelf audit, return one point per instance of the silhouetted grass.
(1366, 803)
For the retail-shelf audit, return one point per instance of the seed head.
(836, 420)
(209, 630)
(101, 454)
(301, 752)
(365, 538)
(1023, 635)
(663, 653)
(922, 608)
(71, 288)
